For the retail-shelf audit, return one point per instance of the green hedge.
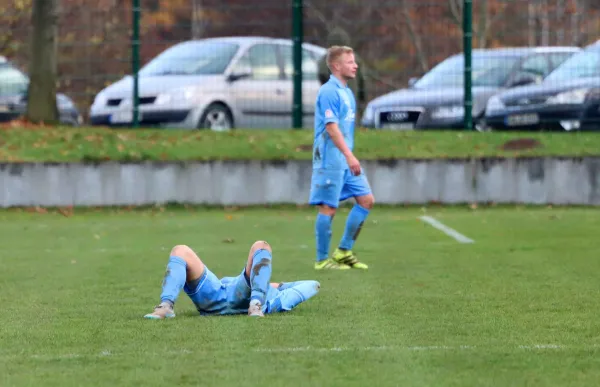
(96, 144)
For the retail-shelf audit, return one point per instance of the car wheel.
(481, 126)
(216, 117)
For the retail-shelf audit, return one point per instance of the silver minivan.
(217, 84)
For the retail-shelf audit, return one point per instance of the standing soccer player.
(337, 174)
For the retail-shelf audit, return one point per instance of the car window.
(12, 80)
(192, 58)
(584, 64)
(487, 70)
(310, 67)
(537, 65)
(263, 60)
(556, 59)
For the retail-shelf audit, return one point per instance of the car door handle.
(279, 91)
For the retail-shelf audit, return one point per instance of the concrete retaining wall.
(538, 181)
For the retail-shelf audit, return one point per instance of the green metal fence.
(395, 41)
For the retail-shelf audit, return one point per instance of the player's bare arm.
(338, 139)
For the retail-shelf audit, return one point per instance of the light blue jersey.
(335, 103)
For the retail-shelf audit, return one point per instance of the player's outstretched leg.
(323, 239)
(258, 270)
(183, 266)
(354, 223)
(294, 293)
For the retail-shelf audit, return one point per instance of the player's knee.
(261, 245)
(316, 285)
(181, 251)
(309, 289)
(326, 210)
(367, 201)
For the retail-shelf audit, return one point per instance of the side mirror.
(412, 81)
(240, 73)
(523, 79)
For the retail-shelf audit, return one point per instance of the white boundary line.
(445, 229)
(186, 352)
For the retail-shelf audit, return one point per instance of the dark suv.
(436, 100)
(568, 99)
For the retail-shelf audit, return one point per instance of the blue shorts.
(331, 186)
(231, 295)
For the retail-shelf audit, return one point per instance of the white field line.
(308, 349)
(446, 230)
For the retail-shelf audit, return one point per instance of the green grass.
(94, 144)
(518, 307)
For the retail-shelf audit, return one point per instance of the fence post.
(297, 37)
(135, 60)
(468, 56)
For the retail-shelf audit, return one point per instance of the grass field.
(518, 307)
(94, 144)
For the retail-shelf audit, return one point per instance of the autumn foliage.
(396, 39)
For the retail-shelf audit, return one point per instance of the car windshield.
(12, 81)
(192, 58)
(488, 70)
(584, 64)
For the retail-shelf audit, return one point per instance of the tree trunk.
(531, 24)
(559, 15)
(482, 24)
(41, 106)
(197, 22)
(545, 21)
(578, 26)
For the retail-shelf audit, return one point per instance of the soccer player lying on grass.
(250, 292)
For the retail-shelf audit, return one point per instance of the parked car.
(13, 96)
(436, 100)
(217, 84)
(568, 99)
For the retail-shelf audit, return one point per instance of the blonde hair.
(335, 52)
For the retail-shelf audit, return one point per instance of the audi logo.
(397, 116)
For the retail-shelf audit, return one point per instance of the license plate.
(124, 117)
(401, 126)
(522, 119)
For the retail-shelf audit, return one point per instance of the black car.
(568, 99)
(436, 100)
(13, 97)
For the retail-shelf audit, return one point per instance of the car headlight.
(448, 112)
(494, 105)
(181, 95)
(574, 97)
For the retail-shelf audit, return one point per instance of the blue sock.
(323, 234)
(354, 223)
(260, 275)
(174, 279)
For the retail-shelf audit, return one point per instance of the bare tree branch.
(318, 14)
(414, 36)
(456, 10)
(490, 23)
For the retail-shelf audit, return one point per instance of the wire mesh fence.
(396, 42)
